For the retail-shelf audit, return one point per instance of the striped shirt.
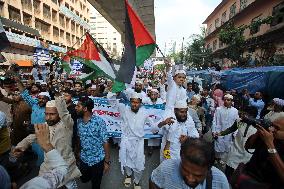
(167, 176)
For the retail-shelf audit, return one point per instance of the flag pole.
(158, 48)
(74, 45)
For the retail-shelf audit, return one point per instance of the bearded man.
(61, 129)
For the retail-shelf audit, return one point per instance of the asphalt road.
(114, 178)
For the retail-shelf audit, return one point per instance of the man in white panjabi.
(138, 88)
(131, 152)
(61, 130)
(276, 109)
(175, 92)
(224, 117)
(153, 100)
(182, 128)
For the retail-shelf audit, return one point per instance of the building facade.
(106, 35)
(244, 12)
(55, 25)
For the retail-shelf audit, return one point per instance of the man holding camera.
(266, 167)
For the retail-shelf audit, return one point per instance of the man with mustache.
(181, 128)
(60, 125)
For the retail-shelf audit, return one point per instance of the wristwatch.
(271, 150)
(108, 162)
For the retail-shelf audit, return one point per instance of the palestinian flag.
(65, 64)
(4, 42)
(93, 56)
(139, 45)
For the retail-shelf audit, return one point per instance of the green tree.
(195, 53)
(233, 37)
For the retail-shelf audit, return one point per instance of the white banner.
(113, 120)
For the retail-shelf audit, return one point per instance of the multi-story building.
(53, 24)
(106, 34)
(244, 12)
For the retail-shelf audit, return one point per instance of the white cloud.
(176, 19)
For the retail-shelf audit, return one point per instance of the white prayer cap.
(278, 101)
(180, 72)
(136, 95)
(229, 96)
(277, 116)
(197, 97)
(2, 120)
(69, 81)
(93, 87)
(38, 81)
(44, 94)
(181, 104)
(155, 91)
(51, 104)
(43, 83)
(139, 81)
(88, 82)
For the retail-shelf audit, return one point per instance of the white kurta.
(148, 101)
(271, 116)
(176, 130)
(60, 138)
(175, 93)
(237, 153)
(129, 91)
(223, 119)
(131, 153)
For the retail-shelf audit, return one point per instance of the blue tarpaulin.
(269, 80)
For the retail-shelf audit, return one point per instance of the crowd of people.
(202, 128)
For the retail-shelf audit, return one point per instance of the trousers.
(137, 174)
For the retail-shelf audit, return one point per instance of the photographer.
(265, 169)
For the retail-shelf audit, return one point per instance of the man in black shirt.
(71, 108)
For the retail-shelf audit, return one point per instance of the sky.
(176, 19)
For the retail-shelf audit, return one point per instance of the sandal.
(137, 186)
(127, 181)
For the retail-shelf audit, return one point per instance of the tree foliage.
(194, 55)
(236, 43)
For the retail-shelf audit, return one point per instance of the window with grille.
(14, 14)
(210, 29)
(36, 6)
(214, 45)
(278, 14)
(243, 4)
(224, 17)
(46, 12)
(217, 23)
(254, 30)
(27, 5)
(55, 33)
(1, 9)
(61, 21)
(233, 10)
(54, 16)
(27, 19)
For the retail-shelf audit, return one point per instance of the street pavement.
(114, 178)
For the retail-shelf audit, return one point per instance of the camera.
(264, 123)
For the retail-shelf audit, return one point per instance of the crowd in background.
(203, 127)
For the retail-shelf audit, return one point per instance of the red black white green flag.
(139, 45)
(93, 55)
